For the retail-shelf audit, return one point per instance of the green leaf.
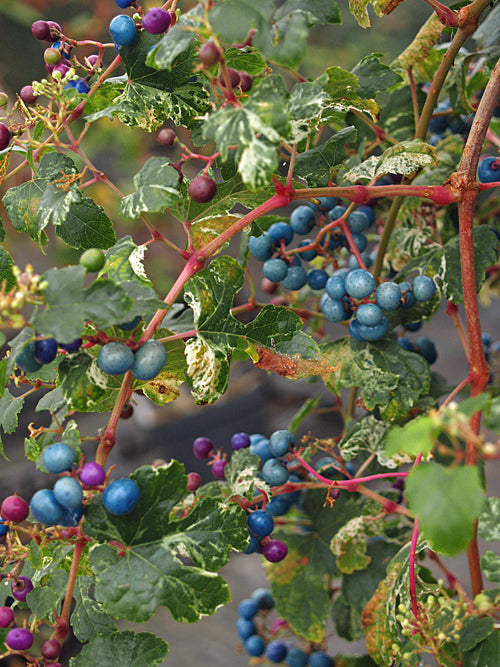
(151, 572)
(490, 564)
(446, 503)
(346, 619)
(416, 437)
(126, 648)
(360, 12)
(485, 255)
(247, 59)
(88, 619)
(210, 293)
(474, 631)
(489, 520)
(7, 277)
(36, 556)
(309, 405)
(485, 654)
(373, 76)
(305, 107)
(10, 407)
(405, 158)
(242, 474)
(43, 600)
(315, 11)
(342, 89)
(367, 435)
(51, 401)
(124, 262)
(390, 378)
(157, 188)
(492, 416)
(86, 225)
(315, 166)
(350, 545)
(177, 42)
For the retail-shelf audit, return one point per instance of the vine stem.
(411, 573)
(63, 621)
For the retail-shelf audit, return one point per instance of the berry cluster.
(145, 363)
(21, 639)
(259, 640)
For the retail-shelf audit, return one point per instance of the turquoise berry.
(149, 359)
(121, 496)
(115, 358)
(58, 457)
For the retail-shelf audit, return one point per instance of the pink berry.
(14, 509)
(5, 136)
(93, 60)
(194, 481)
(55, 31)
(218, 469)
(21, 588)
(19, 639)
(6, 617)
(275, 551)
(202, 189)
(51, 649)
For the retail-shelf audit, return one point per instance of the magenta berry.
(5, 136)
(6, 617)
(92, 474)
(14, 509)
(209, 55)
(194, 481)
(156, 21)
(51, 649)
(246, 81)
(202, 447)
(234, 78)
(218, 469)
(55, 31)
(275, 551)
(41, 30)
(202, 189)
(19, 639)
(21, 588)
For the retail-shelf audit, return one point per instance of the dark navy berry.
(128, 326)
(123, 30)
(360, 241)
(295, 279)
(406, 344)
(121, 496)
(388, 296)
(413, 326)
(240, 441)
(279, 505)
(68, 492)
(427, 349)
(115, 358)
(245, 628)
(281, 442)
(307, 255)
(274, 473)
(424, 288)
(261, 449)
(255, 646)
(82, 86)
(337, 212)
(73, 346)
(149, 360)
(5, 529)
(359, 283)
(275, 270)
(354, 330)
(326, 203)
(26, 361)
(261, 247)
(264, 598)
(369, 314)
(489, 170)
(253, 545)
(45, 350)
(248, 608)
(58, 457)
(72, 516)
(281, 232)
(369, 212)
(124, 3)
(45, 508)
(316, 279)
(276, 651)
(260, 523)
(302, 220)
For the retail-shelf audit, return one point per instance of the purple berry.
(93, 60)
(194, 481)
(62, 67)
(21, 588)
(5, 136)
(41, 30)
(51, 649)
(19, 639)
(218, 469)
(71, 347)
(240, 441)
(202, 448)
(202, 189)
(166, 136)
(209, 55)
(234, 78)
(156, 21)
(92, 474)
(246, 81)
(27, 95)
(275, 551)
(14, 509)
(6, 617)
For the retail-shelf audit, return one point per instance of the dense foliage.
(360, 205)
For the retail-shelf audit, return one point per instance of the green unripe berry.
(483, 602)
(52, 56)
(93, 259)
(3, 99)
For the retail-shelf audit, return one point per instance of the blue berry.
(248, 608)
(406, 344)
(58, 457)
(128, 326)
(388, 296)
(333, 309)
(335, 286)
(121, 496)
(413, 326)
(275, 270)
(427, 349)
(72, 517)
(336, 239)
(360, 241)
(263, 598)
(261, 247)
(424, 288)
(115, 358)
(326, 203)
(274, 473)
(255, 646)
(316, 279)
(409, 300)
(487, 339)
(302, 220)
(245, 628)
(296, 278)
(336, 212)
(260, 523)
(255, 437)
(354, 264)
(369, 212)
(320, 659)
(488, 171)
(358, 222)
(261, 449)
(26, 361)
(68, 492)
(359, 283)
(377, 332)
(354, 330)
(149, 359)
(253, 545)
(296, 657)
(307, 255)
(3, 528)
(124, 3)
(327, 466)
(276, 651)
(279, 505)
(45, 508)
(240, 441)
(123, 31)
(369, 314)
(281, 232)
(280, 442)
(82, 86)
(45, 350)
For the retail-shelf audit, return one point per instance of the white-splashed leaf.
(367, 435)
(242, 474)
(207, 370)
(157, 188)
(365, 171)
(124, 261)
(405, 158)
(350, 543)
(258, 162)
